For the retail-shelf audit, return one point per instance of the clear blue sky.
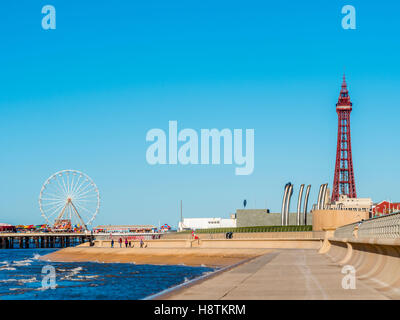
(83, 97)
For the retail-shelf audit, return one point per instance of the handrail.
(381, 227)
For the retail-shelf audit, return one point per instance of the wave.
(8, 268)
(22, 263)
(88, 277)
(9, 280)
(33, 279)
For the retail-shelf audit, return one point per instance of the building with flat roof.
(263, 217)
(346, 203)
(385, 207)
(206, 223)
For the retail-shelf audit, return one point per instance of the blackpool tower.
(343, 183)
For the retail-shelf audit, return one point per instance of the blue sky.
(83, 97)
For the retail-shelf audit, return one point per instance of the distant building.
(346, 203)
(125, 229)
(5, 227)
(263, 217)
(385, 207)
(206, 223)
(343, 211)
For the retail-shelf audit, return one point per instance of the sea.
(23, 276)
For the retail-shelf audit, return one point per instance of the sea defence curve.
(356, 261)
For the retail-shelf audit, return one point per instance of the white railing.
(346, 231)
(387, 227)
(382, 227)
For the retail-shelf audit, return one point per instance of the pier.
(42, 240)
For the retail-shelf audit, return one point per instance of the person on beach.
(120, 242)
(112, 243)
(126, 243)
(130, 244)
(141, 243)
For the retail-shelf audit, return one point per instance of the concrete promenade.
(282, 274)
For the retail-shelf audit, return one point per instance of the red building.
(5, 227)
(385, 207)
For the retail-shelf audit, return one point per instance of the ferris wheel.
(69, 199)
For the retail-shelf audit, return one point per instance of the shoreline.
(169, 292)
(196, 257)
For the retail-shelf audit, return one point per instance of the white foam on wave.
(71, 273)
(88, 277)
(44, 288)
(22, 263)
(7, 268)
(36, 256)
(77, 269)
(9, 280)
(33, 279)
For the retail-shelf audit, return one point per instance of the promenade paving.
(282, 274)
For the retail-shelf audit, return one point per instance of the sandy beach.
(170, 256)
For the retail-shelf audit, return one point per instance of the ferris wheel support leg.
(62, 212)
(76, 211)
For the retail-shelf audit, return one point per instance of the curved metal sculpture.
(299, 204)
(323, 198)
(319, 196)
(284, 204)
(287, 207)
(306, 204)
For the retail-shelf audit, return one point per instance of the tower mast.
(343, 182)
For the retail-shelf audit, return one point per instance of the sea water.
(21, 278)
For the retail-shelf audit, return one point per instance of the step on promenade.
(301, 274)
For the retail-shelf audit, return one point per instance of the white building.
(206, 223)
(344, 202)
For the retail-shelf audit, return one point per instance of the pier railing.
(382, 227)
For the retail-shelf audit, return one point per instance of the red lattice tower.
(343, 182)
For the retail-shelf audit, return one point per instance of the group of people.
(129, 243)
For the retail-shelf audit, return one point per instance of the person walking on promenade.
(126, 242)
(112, 243)
(120, 242)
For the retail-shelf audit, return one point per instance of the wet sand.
(170, 256)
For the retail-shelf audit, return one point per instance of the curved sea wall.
(372, 248)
